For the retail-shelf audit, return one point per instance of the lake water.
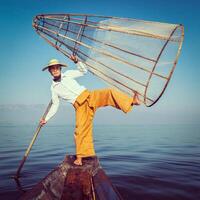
(144, 162)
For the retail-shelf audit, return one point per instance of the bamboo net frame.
(128, 54)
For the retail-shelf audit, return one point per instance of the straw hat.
(53, 62)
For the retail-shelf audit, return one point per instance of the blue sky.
(23, 52)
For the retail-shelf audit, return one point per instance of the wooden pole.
(31, 143)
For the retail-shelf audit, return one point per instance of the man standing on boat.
(85, 103)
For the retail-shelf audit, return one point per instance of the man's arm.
(53, 109)
(82, 69)
(77, 73)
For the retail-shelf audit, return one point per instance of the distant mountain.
(31, 114)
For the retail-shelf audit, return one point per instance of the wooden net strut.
(104, 53)
(62, 43)
(175, 62)
(113, 47)
(97, 61)
(66, 30)
(107, 44)
(145, 92)
(159, 24)
(93, 68)
(119, 29)
(79, 35)
(59, 28)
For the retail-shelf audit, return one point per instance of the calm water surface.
(151, 162)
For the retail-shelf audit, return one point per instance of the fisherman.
(85, 103)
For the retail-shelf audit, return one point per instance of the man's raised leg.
(114, 98)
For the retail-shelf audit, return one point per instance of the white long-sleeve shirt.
(67, 88)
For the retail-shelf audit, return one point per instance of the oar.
(31, 143)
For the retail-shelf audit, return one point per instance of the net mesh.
(130, 55)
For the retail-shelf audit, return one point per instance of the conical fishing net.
(130, 55)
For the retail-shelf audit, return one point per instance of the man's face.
(55, 71)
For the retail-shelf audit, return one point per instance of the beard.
(57, 78)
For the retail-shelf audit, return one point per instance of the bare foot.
(78, 161)
(136, 99)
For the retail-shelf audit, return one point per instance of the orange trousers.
(85, 106)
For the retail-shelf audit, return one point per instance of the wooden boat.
(70, 182)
